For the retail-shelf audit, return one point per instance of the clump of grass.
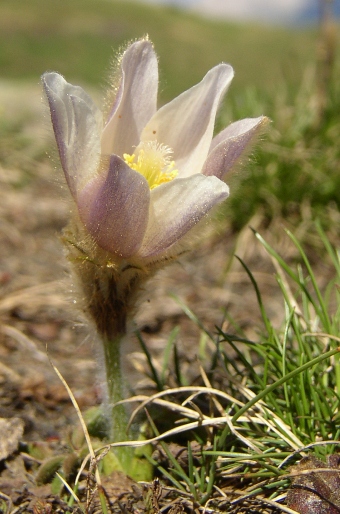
(279, 399)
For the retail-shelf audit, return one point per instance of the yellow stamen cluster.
(153, 161)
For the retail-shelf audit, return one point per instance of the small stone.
(11, 431)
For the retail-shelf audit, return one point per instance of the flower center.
(153, 161)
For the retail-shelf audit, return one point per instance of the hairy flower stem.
(109, 289)
(115, 390)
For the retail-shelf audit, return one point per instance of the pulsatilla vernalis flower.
(142, 178)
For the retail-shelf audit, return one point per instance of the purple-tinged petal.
(228, 146)
(136, 100)
(77, 125)
(115, 208)
(178, 206)
(186, 124)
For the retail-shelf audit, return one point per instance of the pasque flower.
(142, 178)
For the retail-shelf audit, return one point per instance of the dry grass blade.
(283, 508)
(82, 422)
(210, 422)
(25, 342)
(179, 390)
(321, 334)
(286, 434)
(35, 296)
(205, 420)
(174, 407)
(68, 487)
(305, 448)
(9, 373)
(245, 440)
(290, 438)
(8, 501)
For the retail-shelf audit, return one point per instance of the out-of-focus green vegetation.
(77, 38)
(295, 171)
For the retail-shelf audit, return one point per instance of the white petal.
(136, 100)
(178, 206)
(229, 145)
(77, 124)
(186, 124)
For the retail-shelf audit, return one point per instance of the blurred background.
(267, 41)
(282, 12)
